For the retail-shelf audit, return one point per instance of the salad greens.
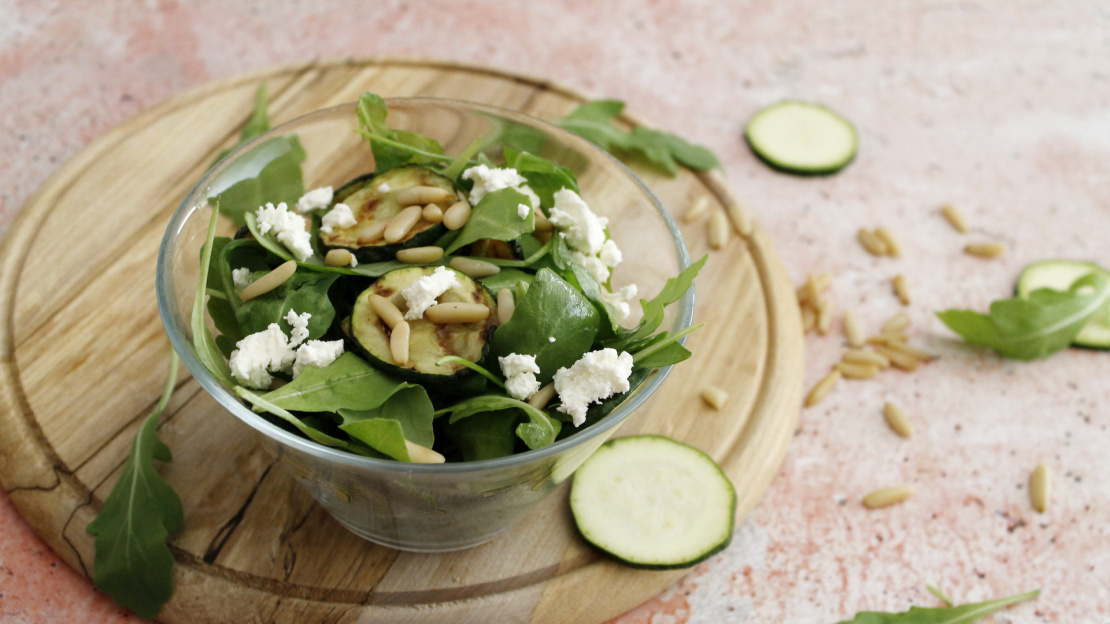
(133, 563)
(964, 614)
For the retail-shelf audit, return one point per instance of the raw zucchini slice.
(802, 137)
(1059, 275)
(653, 502)
(428, 341)
(373, 199)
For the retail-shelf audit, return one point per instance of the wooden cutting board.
(84, 357)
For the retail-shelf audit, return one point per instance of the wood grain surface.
(84, 356)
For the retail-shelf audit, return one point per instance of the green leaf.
(964, 614)
(545, 178)
(406, 415)
(393, 148)
(1026, 329)
(258, 123)
(654, 309)
(348, 383)
(307, 429)
(268, 172)
(552, 308)
(133, 564)
(207, 352)
(495, 218)
(486, 436)
(593, 121)
(304, 291)
(539, 431)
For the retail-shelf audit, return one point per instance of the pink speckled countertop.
(1001, 108)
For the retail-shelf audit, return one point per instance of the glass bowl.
(428, 507)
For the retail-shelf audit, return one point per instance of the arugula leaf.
(207, 352)
(654, 309)
(348, 383)
(964, 614)
(268, 172)
(311, 432)
(486, 436)
(540, 431)
(495, 218)
(594, 121)
(665, 351)
(258, 123)
(393, 148)
(406, 415)
(545, 178)
(133, 564)
(302, 292)
(1026, 329)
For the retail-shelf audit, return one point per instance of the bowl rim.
(186, 351)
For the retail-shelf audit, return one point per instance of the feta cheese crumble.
(317, 353)
(618, 302)
(241, 277)
(596, 376)
(523, 211)
(383, 188)
(314, 200)
(298, 324)
(520, 375)
(584, 230)
(487, 180)
(340, 216)
(287, 227)
(260, 354)
(424, 291)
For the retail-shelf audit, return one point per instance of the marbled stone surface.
(1001, 108)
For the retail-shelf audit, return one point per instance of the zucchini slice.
(373, 199)
(428, 341)
(1059, 275)
(653, 502)
(802, 138)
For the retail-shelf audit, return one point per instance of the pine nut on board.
(887, 496)
(1040, 488)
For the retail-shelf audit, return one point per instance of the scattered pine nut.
(269, 281)
(714, 397)
(718, 229)
(887, 496)
(401, 223)
(1040, 488)
(457, 215)
(896, 324)
(991, 249)
(822, 388)
(399, 343)
(897, 421)
(902, 347)
(542, 396)
(457, 312)
(852, 370)
(852, 329)
(871, 242)
(696, 210)
(420, 255)
(389, 313)
(506, 305)
(474, 267)
(898, 359)
(338, 257)
(422, 454)
(809, 319)
(824, 316)
(954, 218)
(863, 356)
(901, 289)
(892, 246)
(422, 195)
(543, 224)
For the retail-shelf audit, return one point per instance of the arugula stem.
(463, 159)
(666, 342)
(399, 145)
(216, 294)
(472, 366)
(941, 596)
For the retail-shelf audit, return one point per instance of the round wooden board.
(84, 358)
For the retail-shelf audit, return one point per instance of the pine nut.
(422, 454)
(456, 216)
(896, 324)
(474, 267)
(338, 257)
(871, 242)
(991, 249)
(432, 213)
(851, 370)
(1040, 488)
(386, 310)
(457, 312)
(714, 397)
(822, 388)
(901, 289)
(822, 280)
(897, 421)
(887, 496)
(954, 218)
(718, 229)
(269, 281)
(420, 255)
(401, 223)
(862, 356)
(370, 232)
(809, 319)
(824, 316)
(506, 305)
(696, 210)
(422, 195)
(399, 343)
(543, 224)
(542, 396)
(902, 347)
(898, 359)
(892, 246)
(852, 330)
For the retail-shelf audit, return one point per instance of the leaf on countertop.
(964, 614)
(1036, 327)
(133, 564)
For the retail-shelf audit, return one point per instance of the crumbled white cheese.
(383, 188)
(551, 338)
(287, 227)
(241, 277)
(424, 291)
(260, 354)
(298, 324)
(584, 230)
(314, 200)
(487, 180)
(523, 211)
(340, 216)
(593, 264)
(520, 375)
(619, 301)
(610, 254)
(596, 376)
(318, 353)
